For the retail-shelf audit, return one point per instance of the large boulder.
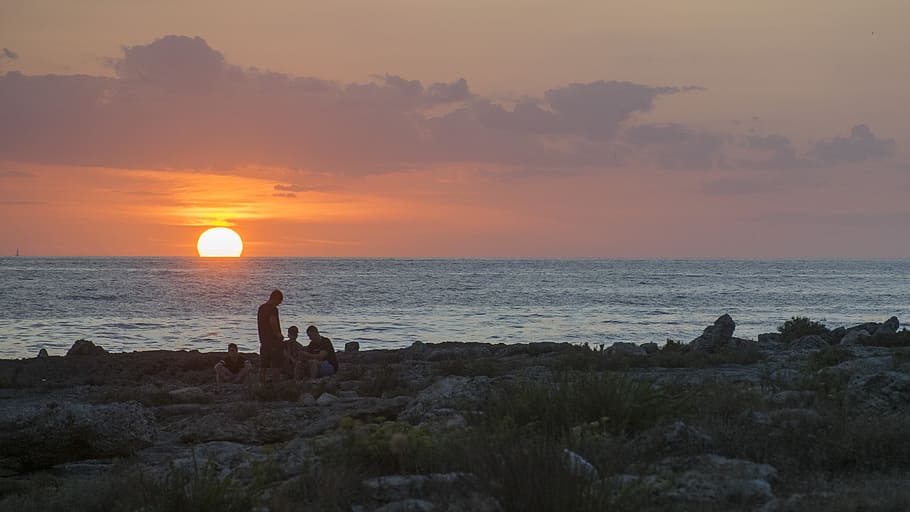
(889, 326)
(715, 336)
(855, 337)
(85, 348)
(36, 436)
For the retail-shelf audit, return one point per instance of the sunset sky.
(495, 128)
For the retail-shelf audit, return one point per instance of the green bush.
(799, 326)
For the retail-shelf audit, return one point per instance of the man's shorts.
(271, 355)
(326, 369)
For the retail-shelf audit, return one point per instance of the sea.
(187, 303)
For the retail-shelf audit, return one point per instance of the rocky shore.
(805, 418)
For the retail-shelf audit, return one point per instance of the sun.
(219, 243)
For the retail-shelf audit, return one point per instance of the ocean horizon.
(185, 303)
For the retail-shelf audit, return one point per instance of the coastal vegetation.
(719, 423)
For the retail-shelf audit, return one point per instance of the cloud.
(9, 54)
(861, 145)
(773, 151)
(676, 146)
(289, 195)
(596, 110)
(177, 103)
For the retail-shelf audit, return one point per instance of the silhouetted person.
(320, 354)
(271, 348)
(292, 350)
(233, 369)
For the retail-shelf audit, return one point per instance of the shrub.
(799, 326)
(180, 489)
(329, 486)
(828, 356)
(386, 381)
(555, 408)
(202, 490)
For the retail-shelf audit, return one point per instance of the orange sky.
(456, 129)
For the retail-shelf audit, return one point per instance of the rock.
(455, 492)
(810, 342)
(44, 435)
(718, 480)
(408, 505)
(890, 325)
(308, 399)
(578, 466)
(869, 327)
(676, 437)
(85, 348)
(862, 366)
(42, 353)
(856, 337)
(352, 346)
(650, 348)
(835, 336)
(623, 348)
(326, 399)
(883, 392)
(769, 337)
(715, 336)
(446, 394)
(723, 328)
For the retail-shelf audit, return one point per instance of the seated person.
(292, 350)
(232, 369)
(320, 354)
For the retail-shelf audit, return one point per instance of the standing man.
(271, 348)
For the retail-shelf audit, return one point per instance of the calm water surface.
(127, 304)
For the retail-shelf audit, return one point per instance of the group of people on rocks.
(278, 356)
